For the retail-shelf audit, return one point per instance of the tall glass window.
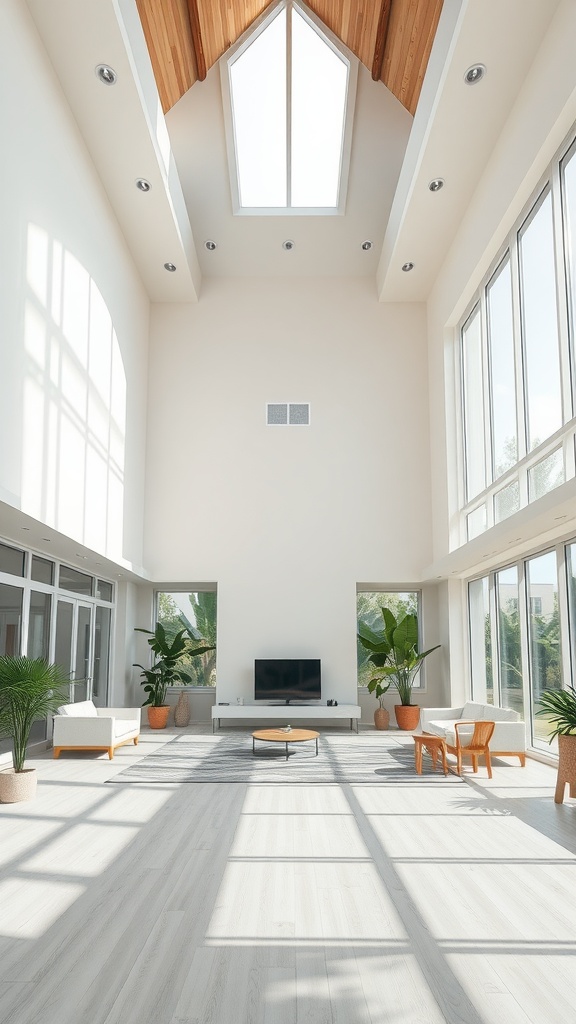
(101, 655)
(543, 636)
(10, 619)
(571, 581)
(568, 167)
(369, 606)
(473, 405)
(509, 643)
(39, 625)
(502, 371)
(196, 612)
(480, 641)
(540, 324)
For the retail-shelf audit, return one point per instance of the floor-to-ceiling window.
(543, 636)
(522, 635)
(480, 624)
(508, 640)
(52, 610)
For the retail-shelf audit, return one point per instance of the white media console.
(287, 713)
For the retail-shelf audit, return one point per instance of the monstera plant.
(397, 661)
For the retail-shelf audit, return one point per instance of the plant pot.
(566, 767)
(407, 715)
(182, 711)
(381, 718)
(17, 786)
(158, 717)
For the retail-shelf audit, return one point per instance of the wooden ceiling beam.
(197, 39)
(381, 35)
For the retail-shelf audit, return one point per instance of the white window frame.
(565, 436)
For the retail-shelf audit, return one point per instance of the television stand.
(246, 714)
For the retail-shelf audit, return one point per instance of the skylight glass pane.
(258, 88)
(319, 80)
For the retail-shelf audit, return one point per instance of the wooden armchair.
(473, 745)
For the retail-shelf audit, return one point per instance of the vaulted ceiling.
(392, 38)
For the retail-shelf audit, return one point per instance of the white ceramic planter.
(17, 786)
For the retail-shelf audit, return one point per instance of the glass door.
(101, 655)
(73, 646)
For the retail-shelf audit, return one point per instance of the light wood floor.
(236, 904)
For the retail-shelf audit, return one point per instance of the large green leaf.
(559, 707)
(405, 636)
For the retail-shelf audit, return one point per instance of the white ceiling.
(324, 245)
(452, 136)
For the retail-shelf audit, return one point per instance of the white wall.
(287, 520)
(74, 318)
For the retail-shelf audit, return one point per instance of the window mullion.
(521, 424)
(494, 639)
(289, 105)
(561, 296)
(487, 401)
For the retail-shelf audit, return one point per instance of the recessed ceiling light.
(367, 245)
(406, 267)
(143, 184)
(210, 245)
(106, 74)
(474, 74)
(436, 184)
(170, 267)
(288, 244)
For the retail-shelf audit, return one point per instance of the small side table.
(434, 745)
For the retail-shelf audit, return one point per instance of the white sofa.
(508, 738)
(83, 726)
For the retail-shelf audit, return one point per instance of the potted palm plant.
(170, 650)
(559, 707)
(394, 654)
(30, 690)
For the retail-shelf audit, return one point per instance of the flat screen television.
(287, 679)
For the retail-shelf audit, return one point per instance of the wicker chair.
(473, 745)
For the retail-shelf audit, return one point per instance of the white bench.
(287, 713)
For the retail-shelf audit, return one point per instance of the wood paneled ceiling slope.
(392, 38)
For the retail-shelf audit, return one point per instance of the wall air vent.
(288, 414)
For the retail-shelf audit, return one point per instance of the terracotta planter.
(182, 711)
(158, 717)
(407, 716)
(17, 786)
(381, 718)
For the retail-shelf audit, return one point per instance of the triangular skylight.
(290, 89)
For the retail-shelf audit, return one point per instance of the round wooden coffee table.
(279, 736)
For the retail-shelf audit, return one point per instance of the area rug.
(228, 757)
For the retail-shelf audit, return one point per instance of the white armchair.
(83, 726)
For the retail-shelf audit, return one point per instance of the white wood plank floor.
(236, 904)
